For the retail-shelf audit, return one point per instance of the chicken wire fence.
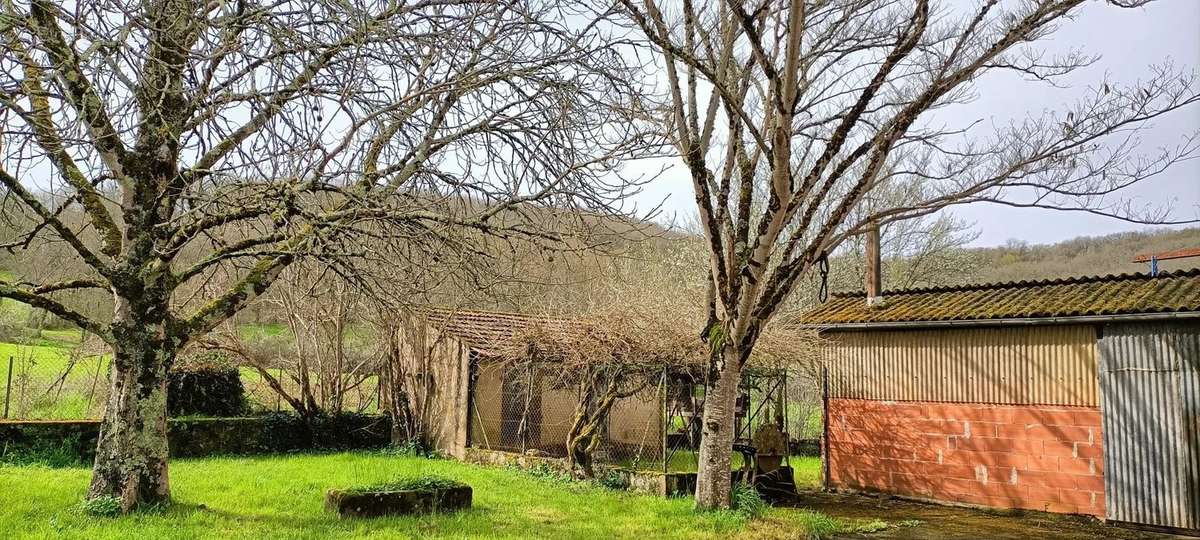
(357, 392)
(52, 383)
(529, 410)
(512, 410)
(43, 383)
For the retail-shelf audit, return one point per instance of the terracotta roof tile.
(1123, 294)
(488, 331)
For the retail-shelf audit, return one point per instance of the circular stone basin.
(366, 504)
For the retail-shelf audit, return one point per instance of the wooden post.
(8, 386)
(825, 428)
(874, 283)
(787, 434)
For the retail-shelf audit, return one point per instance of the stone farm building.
(1077, 395)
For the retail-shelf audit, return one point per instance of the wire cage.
(761, 402)
(530, 410)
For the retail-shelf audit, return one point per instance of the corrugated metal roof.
(1125, 294)
(489, 331)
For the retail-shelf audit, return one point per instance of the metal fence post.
(665, 419)
(279, 377)
(96, 379)
(8, 386)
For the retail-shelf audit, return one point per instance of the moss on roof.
(1124, 294)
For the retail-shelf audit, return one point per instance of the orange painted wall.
(1037, 457)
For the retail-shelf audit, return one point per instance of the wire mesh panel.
(51, 383)
(39, 382)
(357, 393)
(538, 410)
(804, 404)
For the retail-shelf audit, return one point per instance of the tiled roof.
(488, 331)
(1124, 294)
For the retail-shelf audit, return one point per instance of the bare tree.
(921, 252)
(319, 361)
(791, 115)
(205, 140)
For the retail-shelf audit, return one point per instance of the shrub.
(63, 452)
(614, 480)
(413, 448)
(205, 384)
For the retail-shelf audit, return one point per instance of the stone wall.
(1047, 458)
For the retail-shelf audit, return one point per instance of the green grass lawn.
(282, 497)
(807, 471)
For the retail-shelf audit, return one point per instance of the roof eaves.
(1004, 321)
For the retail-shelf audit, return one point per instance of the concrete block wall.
(1047, 458)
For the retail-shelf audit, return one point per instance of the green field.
(281, 497)
(40, 391)
(43, 387)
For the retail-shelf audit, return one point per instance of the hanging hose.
(823, 273)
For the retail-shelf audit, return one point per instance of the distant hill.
(1086, 255)
(1014, 261)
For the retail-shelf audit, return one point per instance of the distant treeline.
(1086, 255)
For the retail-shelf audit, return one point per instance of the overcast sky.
(1129, 40)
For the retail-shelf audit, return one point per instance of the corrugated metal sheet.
(1150, 383)
(1050, 365)
(1126, 294)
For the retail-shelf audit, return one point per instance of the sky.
(1128, 42)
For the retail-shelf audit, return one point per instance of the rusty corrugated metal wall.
(1150, 382)
(1045, 365)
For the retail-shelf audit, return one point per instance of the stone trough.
(367, 504)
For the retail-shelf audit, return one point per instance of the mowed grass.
(282, 497)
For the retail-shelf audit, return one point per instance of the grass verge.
(281, 497)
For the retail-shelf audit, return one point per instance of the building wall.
(487, 405)
(1001, 417)
(435, 373)
(1035, 457)
(1054, 365)
(1150, 375)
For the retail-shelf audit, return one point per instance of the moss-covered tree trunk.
(131, 453)
(716, 443)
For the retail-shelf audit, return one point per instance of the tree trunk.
(131, 454)
(716, 443)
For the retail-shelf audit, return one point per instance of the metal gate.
(1150, 401)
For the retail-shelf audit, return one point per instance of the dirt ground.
(911, 520)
